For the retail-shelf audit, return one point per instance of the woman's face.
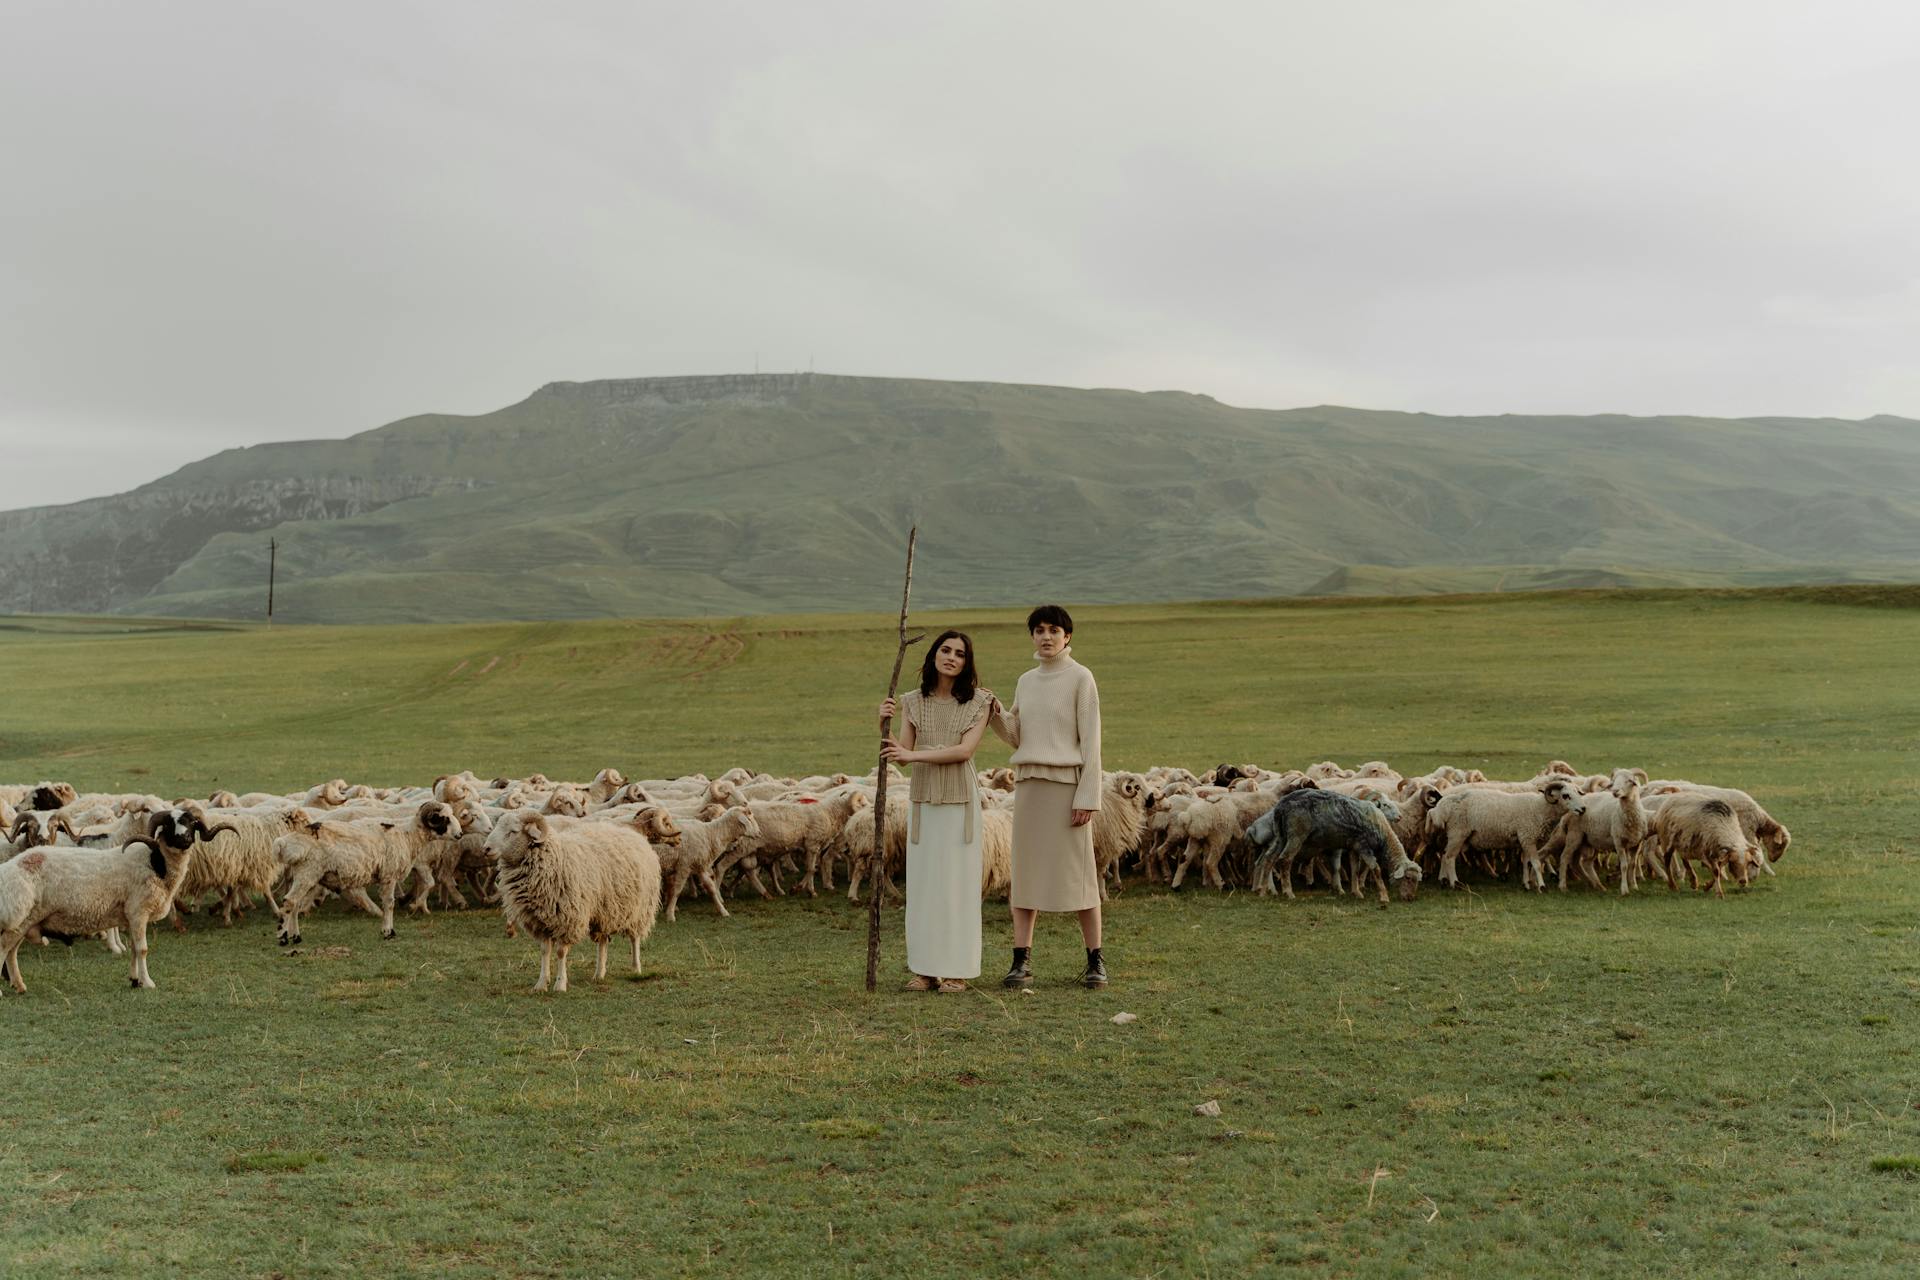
(1049, 640)
(950, 659)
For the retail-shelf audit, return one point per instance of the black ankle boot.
(1021, 975)
(1096, 974)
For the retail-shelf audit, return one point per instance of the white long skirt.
(943, 891)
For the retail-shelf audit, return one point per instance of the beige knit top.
(1054, 727)
(941, 722)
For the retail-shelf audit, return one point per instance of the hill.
(767, 493)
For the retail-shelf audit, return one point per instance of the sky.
(228, 223)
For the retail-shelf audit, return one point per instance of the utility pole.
(273, 556)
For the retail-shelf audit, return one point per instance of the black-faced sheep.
(79, 892)
(349, 857)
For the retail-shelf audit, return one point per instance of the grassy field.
(1473, 1083)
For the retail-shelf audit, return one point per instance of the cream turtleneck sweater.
(1054, 727)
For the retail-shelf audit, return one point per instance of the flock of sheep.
(568, 862)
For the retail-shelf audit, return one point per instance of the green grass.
(1473, 1083)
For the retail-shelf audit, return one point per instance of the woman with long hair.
(941, 724)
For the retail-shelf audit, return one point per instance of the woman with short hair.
(1054, 729)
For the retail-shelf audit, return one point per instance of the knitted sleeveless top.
(942, 722)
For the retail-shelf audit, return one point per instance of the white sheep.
(702, 843)
(87, 891)
(565, 881)
(1689, 827)
(1609, 821)
(1487, 819)
(350, 857)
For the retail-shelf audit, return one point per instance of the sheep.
(240, 861)
(1691, 826)
(996, 852)
(827, 820)
(19, 894)
(325, 795)
(348, 857)
(1213, 827)
(565, 881)
(1767, 840)
(37, 828)
(1311, 820)
(1118, 824)
(860, 853)
(86, 891)
(1495, 821)
(50, 795)
(566, 800)
(604, 784)
(1609, 821)
(701, 845)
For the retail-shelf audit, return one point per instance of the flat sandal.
(919, 982)
(951, 986)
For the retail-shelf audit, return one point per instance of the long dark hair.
(963, 683)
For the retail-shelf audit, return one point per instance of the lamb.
(1212, 827)
(1495, 821)
(1310, 820)
(827, 820)
(1609, 821)
(566, 800)
(348, 857)
(604, 784)
(565, 881)
(87, 891)
(701, 845)
(1690, 826)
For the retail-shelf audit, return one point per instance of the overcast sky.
(229, 223)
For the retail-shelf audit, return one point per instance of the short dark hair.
(1051, 613)
(964, 683)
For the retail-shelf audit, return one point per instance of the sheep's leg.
(296, 901)
(753, 878)
(1380, 878)
(137, 932)
(10, 959)
(560, 951)
(388, 892)
(676, 881)
(635, 939)
(114, 944)
(546, 963)
(1210, 869)
(1286, 876)
(1189, 853)
(713, 888)
(1570, 848)
(1450, 859)
(807, 881)
(600, 960)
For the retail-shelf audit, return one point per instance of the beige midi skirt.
(1052, 859)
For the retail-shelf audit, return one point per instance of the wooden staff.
(880, 787)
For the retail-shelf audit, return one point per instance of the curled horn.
(59, 824)
(21, 825)
(209, 832)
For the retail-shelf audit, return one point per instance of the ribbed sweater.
(1054, 726)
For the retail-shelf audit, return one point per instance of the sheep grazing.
(349, 857)
(1609, 821)
(1313, 821)
(1691, 827)
(86, 891)
(1767, 840)
(563, 882)
(1487, 820)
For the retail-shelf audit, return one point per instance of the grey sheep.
(1312, 821)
